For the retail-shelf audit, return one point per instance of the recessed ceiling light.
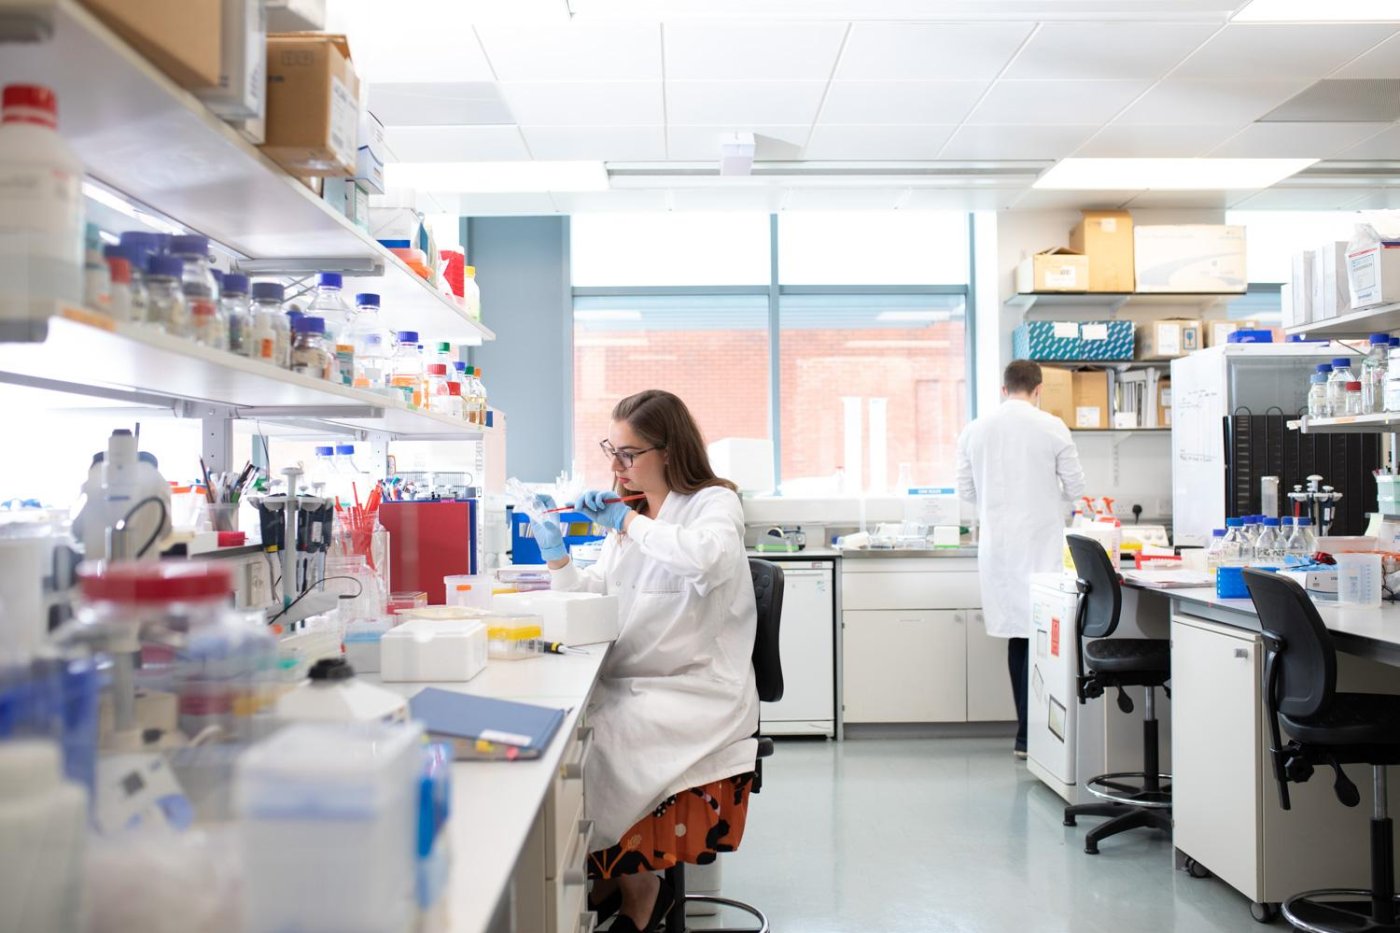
(497, 177)
(1167, 174)
(1314, 11)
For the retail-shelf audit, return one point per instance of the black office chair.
(1119, 663)
(1326, 728)
(768, 673)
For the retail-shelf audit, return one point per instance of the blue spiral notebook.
(484, 728)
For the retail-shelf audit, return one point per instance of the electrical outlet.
(257, 585)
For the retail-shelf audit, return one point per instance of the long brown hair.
(662, 420)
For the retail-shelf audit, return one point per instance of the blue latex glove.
(548, 535)
(608, 514)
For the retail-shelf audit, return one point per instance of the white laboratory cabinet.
(807, 647)
(1066, 742)
(914, 648)
(1225, 801)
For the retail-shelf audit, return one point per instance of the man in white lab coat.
(1018, 465)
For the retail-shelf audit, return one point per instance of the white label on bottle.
(1094, 332)
(1066, 330)
(345, 123)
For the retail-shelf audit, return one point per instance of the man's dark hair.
(1021, 377)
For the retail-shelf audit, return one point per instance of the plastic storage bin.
(329, 828)
(1229, 582)
(506, 637)
(424, 650)
(571, 618)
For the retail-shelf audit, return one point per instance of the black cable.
(314, 590)
(160, 525)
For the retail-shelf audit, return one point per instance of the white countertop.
(494, 803)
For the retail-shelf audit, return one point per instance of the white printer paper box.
(571, 618)
(1190, 258)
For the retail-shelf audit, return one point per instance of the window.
(625, 250)
(711, 350)
(874, 385)
(873, 248)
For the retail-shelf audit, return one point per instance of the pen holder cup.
(222, 516)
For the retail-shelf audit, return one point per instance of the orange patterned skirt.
(693, 826)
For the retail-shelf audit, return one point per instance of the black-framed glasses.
(626, 456)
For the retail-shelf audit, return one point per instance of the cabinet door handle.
(575, 875)
(573, 770)
(1242, 652)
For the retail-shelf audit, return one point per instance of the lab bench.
(1225, 800)
(517, 831)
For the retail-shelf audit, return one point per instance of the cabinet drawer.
(563, 805)
(567, 895)
(901, 590)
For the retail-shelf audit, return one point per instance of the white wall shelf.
(158, 145)
(82, 350)
(1114, 302)
(1360, 324)
(1380, 423)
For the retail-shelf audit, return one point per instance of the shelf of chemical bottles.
(159, 147)
(1358, 324)
(86, 352)
(1387, 422)
(1114, 302)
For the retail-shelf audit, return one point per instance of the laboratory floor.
(949, 834)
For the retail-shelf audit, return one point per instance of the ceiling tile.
(560, 103)
(1106, 50)
(1381, 62)
(914, 51)
(606, 143)
(1305, 50)
(831, 142)
(709, 51)
(1298, 199)
(379, 54)
(1128, 141)
(701, 143)
(766, 199)
(576, 52)
(1384, 146)
(455, 143)
(1200, 103)
(843, 199)
(900, 102)
(716, 103)
(1015, 142)
(450, 104)
(579, 202)
(1294, 140)
(1039, 102)
(1035, 200)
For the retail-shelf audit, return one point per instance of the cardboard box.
(313, 104)
(1374, 275)
(373, 153)
(1106, 238)
(1331, 278)
(1190, 258)
(1053, 270)
(1167, 340)
(180, 37)
(1298, 306)
(1107, 340)
(1047, 340)
(1164, 403)
(296, 15)
(241, 93)
(1057, 393)
(1091, 409)
(1217, 333)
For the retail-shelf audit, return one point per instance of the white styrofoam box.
(1331, 295)
(1190, 258)
(1373, 274)
(1298, 308)
(241, 93)
(430, 650)
(572, 618)
(746, 462)
(373, 153)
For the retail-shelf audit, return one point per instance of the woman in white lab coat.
(676, 706)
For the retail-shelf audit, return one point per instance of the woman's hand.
(548, 535)
(612, 515)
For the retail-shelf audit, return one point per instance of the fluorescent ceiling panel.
(497, 177)
(1315, 11)
(1168, 174)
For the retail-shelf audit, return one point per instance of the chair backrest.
(768, 595)
(1098, 578)
(1307, 663)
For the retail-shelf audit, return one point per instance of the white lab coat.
(1019, 466)
(676, 705)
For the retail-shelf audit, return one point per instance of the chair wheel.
(1195, 869)
(1263, 912)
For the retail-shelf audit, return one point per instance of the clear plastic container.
(480, 403)
(328, 303)
(1355, 403)
(436, 389)
(1373, 374)
(165, 306)
(1301, 542)
(1268, 547)
(471, 293)
(513, 638)
(373, 342)
(1337, 384)
(1235, 549)
(271, 329)
(408, 368)
(1217, 541)
(1318, 406)
(198, 283)
(310, 357)
(137, 247)
(237, 310)
(453, 407)
(351, 575)
(208, 325)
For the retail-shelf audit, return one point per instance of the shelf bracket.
(354, 266)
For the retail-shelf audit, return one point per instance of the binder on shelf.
(484, 728)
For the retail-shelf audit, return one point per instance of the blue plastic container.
(1229, 582)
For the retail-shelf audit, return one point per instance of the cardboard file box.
(180, 37)
(1047, 340)
(313, 105)
(1053, 270)
(1090, 400)
(1057, 393)
(1106, 239)
(1166, 340)
(1107, 341)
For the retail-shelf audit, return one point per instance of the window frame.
(774, 291)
